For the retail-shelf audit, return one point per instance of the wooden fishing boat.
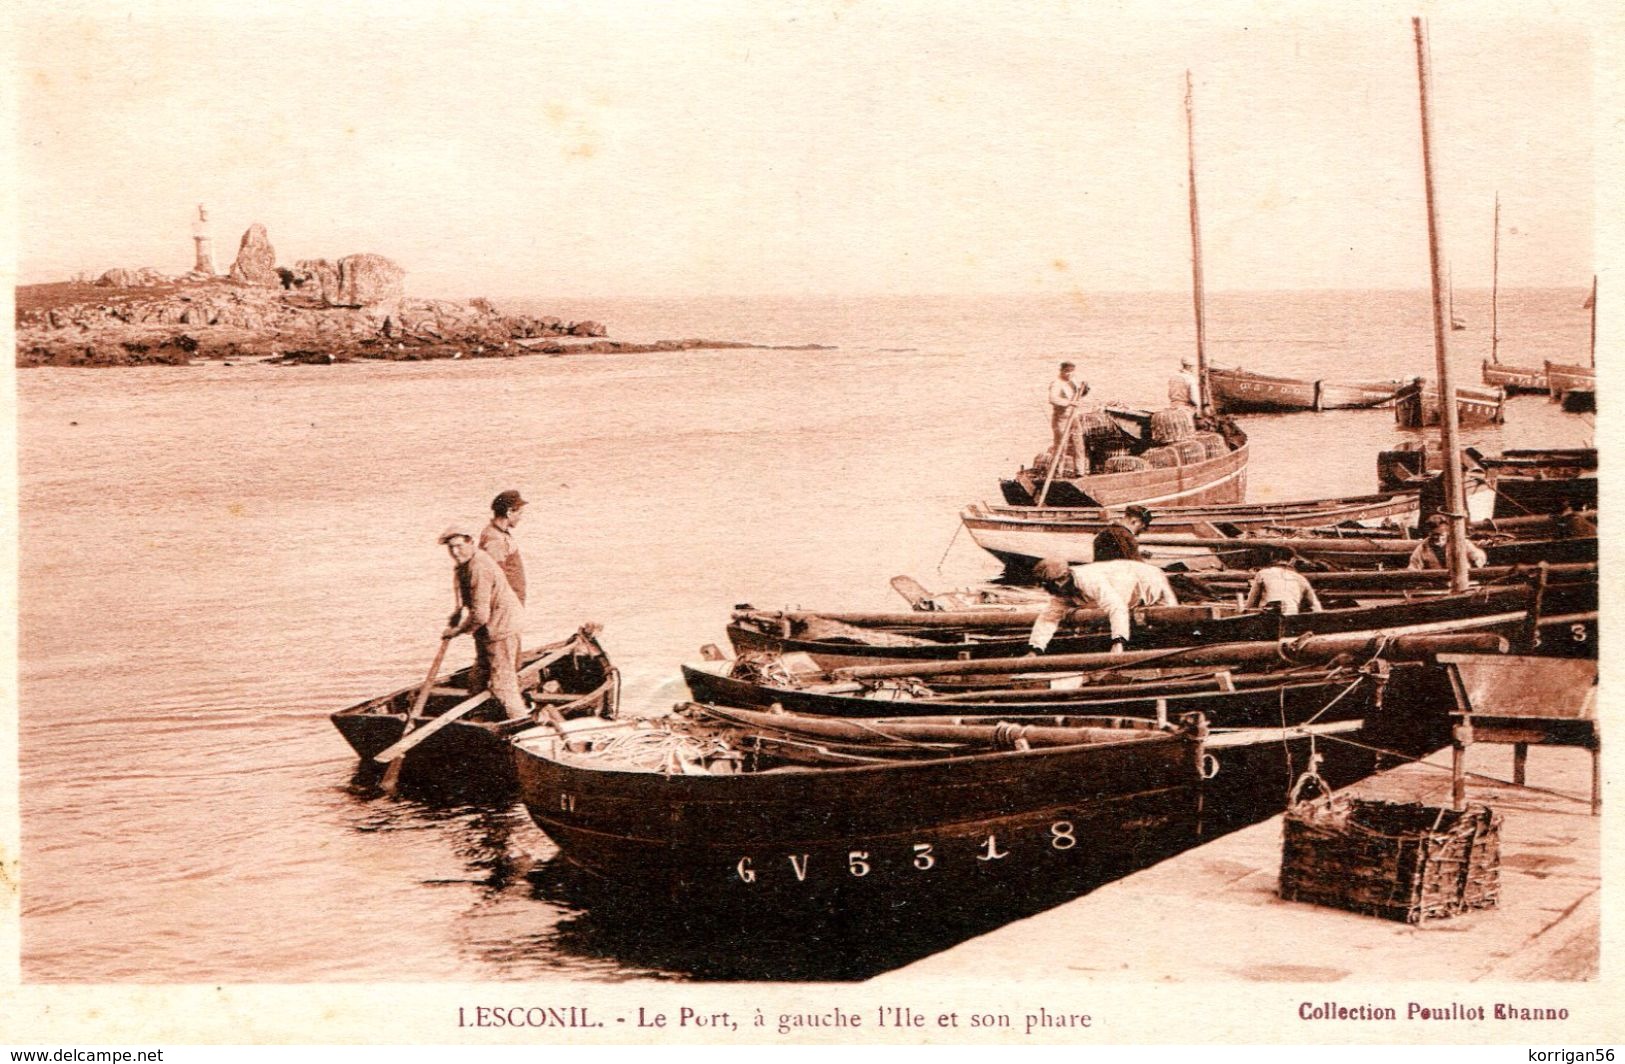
(1541, 481)
(469, 757)
(1562, 379)
(1417, 406)
(1514, 380)
(844, 640)
(1210, 467)
(1236, 391)
(698, 808)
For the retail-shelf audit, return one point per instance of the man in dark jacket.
(1120, 539)
(497, 539)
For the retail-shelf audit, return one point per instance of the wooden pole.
(1441, 330)
(1495, 287)
(1593, 321)
(1203, 392)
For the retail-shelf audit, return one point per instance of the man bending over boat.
(1434, 552)
(1278, 584)
(487, 607)
(1117, 587)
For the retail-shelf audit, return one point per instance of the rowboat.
(843, 640)
(1212, 469)
(1236, 391)
(1514, 380)
(694, 807)
(469, 757)
(1417, 405)
(1541, 481)
(1565, 380)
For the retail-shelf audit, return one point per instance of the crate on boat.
(1397, 860)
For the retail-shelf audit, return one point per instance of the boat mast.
(1203, 392)
(1454, 496)
(1593, 321)
(1495, 287)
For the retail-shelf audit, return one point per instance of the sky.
(847, 147)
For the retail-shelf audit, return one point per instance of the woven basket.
(1125, 463)
(1214, 444)
(1162, 457)
(1400, 861)
(1174, 423)
(1190, 451)
(1096, 425)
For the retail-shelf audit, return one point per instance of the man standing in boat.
(1120, 539)
(488, 608)
(1434, 552)
(497, 540)
(1117, 587)
(1064, 396)
(1183, 389)
(1280, 585)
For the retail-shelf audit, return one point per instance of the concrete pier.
(1212, 913)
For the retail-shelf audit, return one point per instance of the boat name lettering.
(799, 867)
(992, 848)
(857, 862)
(1577, 632)
(923, 860)
(567, 802)
(1061, 836)
(747, 874)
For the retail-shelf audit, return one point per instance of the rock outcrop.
(367, 280)
(256, 259)
(119, 277)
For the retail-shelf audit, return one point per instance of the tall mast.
(1204, 405)
(1495, 286)
(1455, 498)
(1593, 321)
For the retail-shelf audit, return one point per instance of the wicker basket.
(1190, 451)
(1214, 443)
(1399, 861)
(1125, 463)
(1096, 425)
(1174, 423)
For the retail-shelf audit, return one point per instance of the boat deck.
(1167, 923)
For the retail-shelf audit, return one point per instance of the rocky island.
(314, 311)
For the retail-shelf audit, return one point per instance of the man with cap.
(1116, 586)
(1434, 551)
(1064, 396)
(497, 540)
(1279, 584)
(1120, 539)
(488, 608)
(1183, 389)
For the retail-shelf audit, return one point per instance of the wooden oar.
(1060, 445)
(392, 776)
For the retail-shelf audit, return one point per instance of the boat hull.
(469, 759)
(1418, 406)
(1562, 379)
(1515, 380)
(1240, 392)
(888, 833)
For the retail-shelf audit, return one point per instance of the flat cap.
(1051, 570)
(455, 529)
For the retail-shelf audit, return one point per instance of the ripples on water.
(215, 558)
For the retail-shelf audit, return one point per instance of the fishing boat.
(1417, 405)
(1236, 391)
(1562, 379)
(1514, 380)
(839, 640)
(701, 807)
(572, 678)
(1139, 465)
(1541, 481)
(1016, 534)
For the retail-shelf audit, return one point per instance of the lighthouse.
(201, 238)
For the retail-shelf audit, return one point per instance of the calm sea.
(215, 558)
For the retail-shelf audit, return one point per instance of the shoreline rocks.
(174, 324)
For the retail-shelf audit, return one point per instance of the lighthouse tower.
(201, 237)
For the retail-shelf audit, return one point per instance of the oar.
(1055, 460)
(392, 776)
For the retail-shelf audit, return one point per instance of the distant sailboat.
(1512, 379)
(1456, 323)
